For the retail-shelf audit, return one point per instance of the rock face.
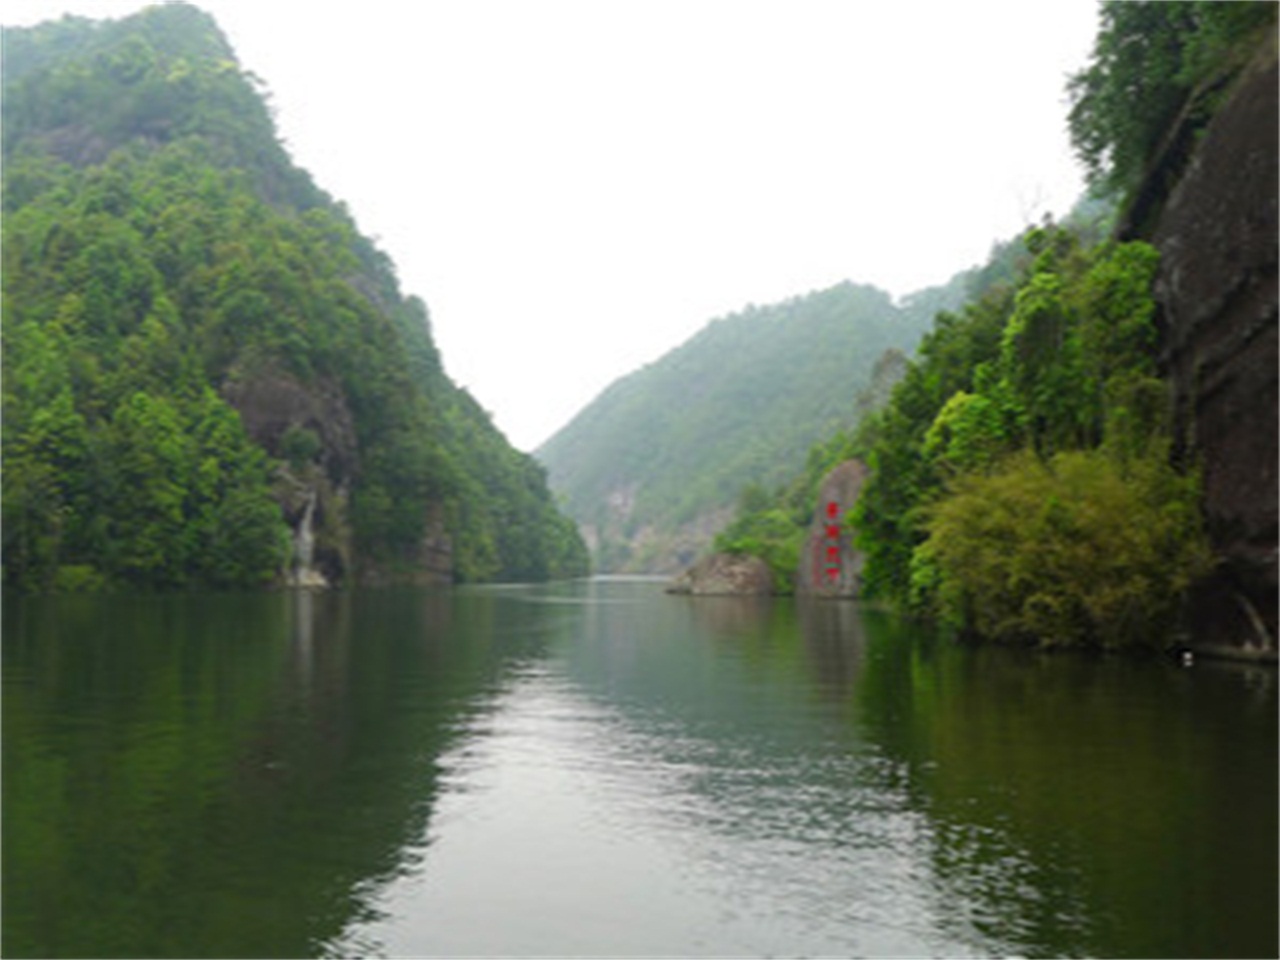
(272, 402)
(1217, 236)
(725, 574)
(829, 565)
(432, 562)
(312, 494)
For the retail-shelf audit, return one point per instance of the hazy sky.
(576, 186)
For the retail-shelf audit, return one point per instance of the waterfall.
(304, 543)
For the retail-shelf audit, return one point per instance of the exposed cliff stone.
(618, 545)
(271, 402)
(725, 574)
(274, 406)
(436, 551)
(1217, 235)
(657, 551)
(431, 564)
(829, 565)
(315, 477)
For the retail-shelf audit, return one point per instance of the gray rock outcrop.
(725, 574)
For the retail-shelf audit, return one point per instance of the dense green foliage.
(1021, 464)
(161, 250)
(1153, 62)
(1021, 484)
(737, 404)
(1084, 548)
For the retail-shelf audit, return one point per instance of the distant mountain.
(210, 377)
(653, 467)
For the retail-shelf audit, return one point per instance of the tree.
(151, 458)
(1150, 63)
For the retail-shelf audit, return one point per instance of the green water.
(600, 769)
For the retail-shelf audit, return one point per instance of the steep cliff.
(1216, 290)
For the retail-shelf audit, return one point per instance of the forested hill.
(654, 466)
(210, 377)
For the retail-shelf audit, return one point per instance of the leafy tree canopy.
(1152, 62)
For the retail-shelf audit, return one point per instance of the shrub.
(1086, 548)
(79, 578)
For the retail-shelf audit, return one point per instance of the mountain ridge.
(206, 364)
(653, 467)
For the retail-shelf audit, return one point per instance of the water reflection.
(597, 768)
(835, 639)
(1088, 805)
(230, 775)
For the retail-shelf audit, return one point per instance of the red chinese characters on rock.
(831, 541)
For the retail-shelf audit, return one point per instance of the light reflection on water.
(564, 826)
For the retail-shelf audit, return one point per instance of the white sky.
(574, 187)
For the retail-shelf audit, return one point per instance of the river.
(597, 768)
